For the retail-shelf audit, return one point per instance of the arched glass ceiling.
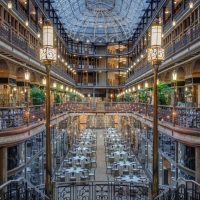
(100, 21)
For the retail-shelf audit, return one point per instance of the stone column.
(197, 164)
(3, 165)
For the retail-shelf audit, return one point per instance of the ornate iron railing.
(188, 117)
(20, 189)
(175, 46)
(100, 191)
(185, 189)
(11, 117)
(179, 116)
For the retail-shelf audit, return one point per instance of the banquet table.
(120, 155)
(85, 144)
(82, 160)
(117, 147)
(79, 158)
(125, 163)
(82, 150)
(132, 179)
(77, 171)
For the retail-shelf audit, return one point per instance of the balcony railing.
(139, 72)
(19, 42)
(11, 117)
(100, 67)
(62, 73)
(185, 189)
(101, 190)
(178, 116)
(22, 44)
(189, 37)
(75, 50)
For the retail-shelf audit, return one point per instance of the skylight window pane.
(95, 19)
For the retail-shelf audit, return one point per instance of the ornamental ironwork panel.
(100, 191)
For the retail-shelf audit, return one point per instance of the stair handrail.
(30, 185)
(179, 182)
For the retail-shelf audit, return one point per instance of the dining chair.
(108, 168)
(125, 170)
(72, 178)
(115, 172)
(92, 174)
(84, 177)
(94, 163)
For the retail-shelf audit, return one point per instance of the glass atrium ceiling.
(100, 21)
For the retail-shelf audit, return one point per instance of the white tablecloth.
(120, 154)
(130, 179)
(76, 170)
(82, 150)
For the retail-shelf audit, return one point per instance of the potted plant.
(142, 95)
(37, 95)
(57, 98)
(72, 96)
(164, 94)
(128, 97)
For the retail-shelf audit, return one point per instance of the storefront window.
(169, 172)
(16, 156)
(187, 156)
(34, 145)
(35, 170)
(167, 145)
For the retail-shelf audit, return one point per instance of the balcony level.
(131, 119)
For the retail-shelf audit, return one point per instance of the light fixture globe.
(44, 81)
(156, 53)
(174, 75)
(27, 75)
(10, 5)
(48, 53)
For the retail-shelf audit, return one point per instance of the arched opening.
(4, 69)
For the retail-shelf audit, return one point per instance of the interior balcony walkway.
(182, 122)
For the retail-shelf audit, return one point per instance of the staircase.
(184, 190)
(20, 189)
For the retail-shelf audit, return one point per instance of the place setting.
(80, 163)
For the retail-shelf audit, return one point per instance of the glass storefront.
(167, 145)
(186, 156)
(34, 145)
(16, 156)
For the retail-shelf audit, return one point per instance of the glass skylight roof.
(100, 21)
